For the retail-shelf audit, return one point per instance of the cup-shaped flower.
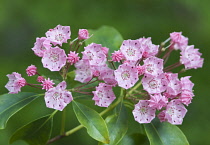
(16, 82)
(83, 34)
(54, 59)
(41, 45)
(153, 66)
(178, 40)
(143, 113)
(31, 70)
(58, 97)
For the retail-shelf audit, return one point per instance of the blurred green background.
(22, 21)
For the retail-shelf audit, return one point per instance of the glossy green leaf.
(12, 103)
(133, 139)
(107, 36)
(117, 124)
(165, 134)
(92, 121)
(36, 132)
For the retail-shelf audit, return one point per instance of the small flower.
(83, 71)
(117, 56)
(148, 48)
(31, 70)
(58, 97)
(175, 112)
(54, 59)
(186, 84)
(141, 69)
(59, 35)
(72, 58)
(174, 85)
(16, 82)
(153, 66)
(161, 116)
(143, 113)
(178, 40)
(103, 95)
(190, 57)
(157, 101)
(186, 97)
(126, 76)
(131, 50)
(83, 34)
(107, 75)
(41, 45)
(47, 84)
(40, 79)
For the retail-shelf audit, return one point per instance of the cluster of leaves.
(115, 129)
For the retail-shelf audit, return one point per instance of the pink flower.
(57, 97)
(154, 84)
(157, 101)
(190, 57)
(186, 83)
(107, 75)
(148, 48)
(31, 70)
(47, 84)
(126, 76)
(153, 66)
(175, 112)
(178, 40)
(59, 35)
(94, 54)
(41, 45)
(16, 82)
(117, 56)
(40, 79)
(143, 113)
(141, 69)
(103, 96)
(83, 71)
(131, 50)
(105, 50)
(174, 85)
(186, 97)
(83, 34)
(54, 59)
(72, 58)
(161, 116)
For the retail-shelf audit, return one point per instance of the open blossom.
(186, 97)
(16, 82)
(126, 76)
(178, 40)
(186, 83)
(47, 84)
(154, 85)
(107, 75)
(94, 54)
(143, 113)
(191, 58)
(58, 97)
(31, 70)
(41, 45)
(175, 112)
(83, 34)
(117, 56)
(148, 48)
(131, 50)
(59, 35)
(83, 71)
(174, 85)
(103, 95)
(54, 59)
(157, 101)
(153, 66)
(72, 58)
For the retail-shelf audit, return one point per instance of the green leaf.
(133, 139)
(117, 124)
(36, 132)
(92, 121)
(12, 103)
(107, 36)
(165, 134)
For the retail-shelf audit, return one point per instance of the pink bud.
(83, 34)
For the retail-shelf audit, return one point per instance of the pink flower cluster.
(140, 62)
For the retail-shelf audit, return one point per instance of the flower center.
(153, 84)
(59, 37)
(125, 75)
(56, 96)
(150, 68)
(143, 110)
(54, 57)
(130, 52)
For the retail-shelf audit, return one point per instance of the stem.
(33, 86)
(134, 88)
(74, 130)
(63, 122)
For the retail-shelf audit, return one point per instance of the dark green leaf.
(12, 103)
(133, 139)
(92, 121)
(107, 36)
(35, 133)
(117, 124)
(165, 134)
